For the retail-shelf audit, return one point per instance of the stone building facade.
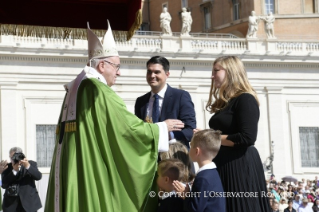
(231, 16)
(284, 72)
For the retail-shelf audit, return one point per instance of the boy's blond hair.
(176, 150)
(179, 151)
(208, 141)
(174, 169)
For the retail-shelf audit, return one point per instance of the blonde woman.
(236, 112)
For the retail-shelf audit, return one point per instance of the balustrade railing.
(196, 42)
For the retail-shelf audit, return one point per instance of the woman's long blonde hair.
(235, 83)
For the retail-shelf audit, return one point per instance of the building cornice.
(251, 62)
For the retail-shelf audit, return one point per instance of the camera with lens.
(17, 157)
(13, 190)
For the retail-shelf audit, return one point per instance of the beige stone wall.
(197, 15)
(221, 12)
(289, 7)
(301, 27)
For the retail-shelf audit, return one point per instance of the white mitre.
(101, 49)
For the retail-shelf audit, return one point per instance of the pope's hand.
(174, 124)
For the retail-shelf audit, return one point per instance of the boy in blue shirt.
(206, 194)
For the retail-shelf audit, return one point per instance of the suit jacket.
(177, 104)
(171, 204)
(206, 193)
(314, 208)
(287, 210)
(28, 193)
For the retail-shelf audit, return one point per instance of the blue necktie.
(155, 112)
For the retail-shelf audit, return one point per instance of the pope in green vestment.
(111, 157)
(105, 158)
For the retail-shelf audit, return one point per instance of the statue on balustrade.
(269, 21)
(253, 22)
(187, 22)
(165, 19)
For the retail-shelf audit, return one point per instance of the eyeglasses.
(116, 66)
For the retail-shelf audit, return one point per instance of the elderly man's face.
(109, 68)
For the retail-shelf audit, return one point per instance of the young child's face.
(162, 182)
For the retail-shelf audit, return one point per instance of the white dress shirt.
(149, 110)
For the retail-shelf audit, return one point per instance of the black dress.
(240, 167)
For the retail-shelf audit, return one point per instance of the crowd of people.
(299, 196)
(108, 159)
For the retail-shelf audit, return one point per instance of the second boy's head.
(170, 170)
(205, 145)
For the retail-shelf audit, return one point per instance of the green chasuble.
(108, 159)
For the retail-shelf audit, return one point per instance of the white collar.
(170, 194)
(97, 75)
(207, 166)
(161, 93)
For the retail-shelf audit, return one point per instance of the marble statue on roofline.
(269, 22)
(187, 22)
(253, 22)
(165, 19)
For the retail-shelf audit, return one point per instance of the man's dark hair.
(159, 60)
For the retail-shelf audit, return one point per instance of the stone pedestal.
(252, 44)
(8, 118)
(167, 43)
(186, 44)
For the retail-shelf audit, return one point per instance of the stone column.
(8, 118)
(276, 122)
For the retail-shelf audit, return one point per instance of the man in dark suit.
(165, 102)
(19, 181)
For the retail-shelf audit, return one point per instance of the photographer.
(19, 181)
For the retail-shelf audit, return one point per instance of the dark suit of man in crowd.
(20, 176)
(173, 103)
